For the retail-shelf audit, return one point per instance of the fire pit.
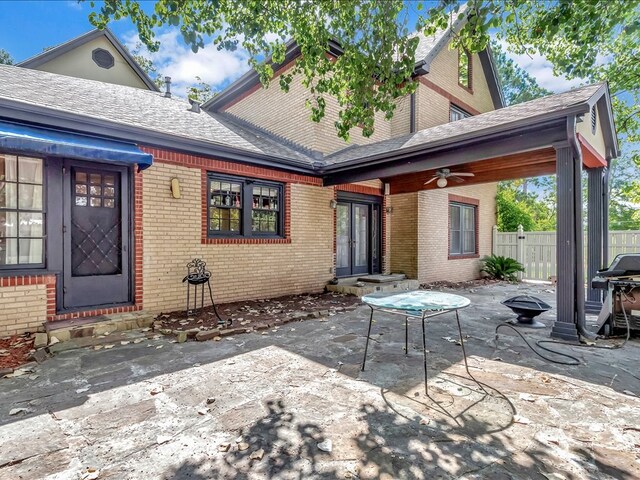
(527, 308)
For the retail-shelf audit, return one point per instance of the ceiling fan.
(442, 175)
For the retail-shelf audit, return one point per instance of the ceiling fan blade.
(429, 181)
(463, 174)
(457, 179)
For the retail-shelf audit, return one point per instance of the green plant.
(498, 267)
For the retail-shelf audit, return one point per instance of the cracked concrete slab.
(139, 412)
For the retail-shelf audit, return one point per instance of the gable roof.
(142, 116)
(427, 49)
(577, 101)
(50, 54)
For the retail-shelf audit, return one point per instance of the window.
(21, 211)
(464, 69)
(462, 229)
(456, 113)
(244, 207)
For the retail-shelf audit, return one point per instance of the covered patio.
(562, 134)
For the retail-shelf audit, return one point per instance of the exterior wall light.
(388, 209)
(333, 204)
(175, 188)
(442, 182)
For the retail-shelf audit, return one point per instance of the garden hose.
(573, 360)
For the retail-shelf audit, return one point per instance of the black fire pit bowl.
(527, 308)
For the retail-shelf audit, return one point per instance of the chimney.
(167, 84)
(195, 106)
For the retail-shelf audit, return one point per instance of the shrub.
(497, 267)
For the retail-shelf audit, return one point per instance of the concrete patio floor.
(140, 411)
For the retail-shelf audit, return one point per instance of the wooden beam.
(506, 167)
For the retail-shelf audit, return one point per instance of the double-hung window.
(462, 229)
(243, 207)
(21, 212)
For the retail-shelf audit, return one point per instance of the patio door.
(95, 235)
(357, 238)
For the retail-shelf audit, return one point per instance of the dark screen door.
(96, 230)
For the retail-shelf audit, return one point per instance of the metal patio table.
(421, 304)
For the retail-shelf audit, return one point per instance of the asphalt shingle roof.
(467, 127)
(138, 108)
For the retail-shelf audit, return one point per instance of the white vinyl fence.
(537, 250)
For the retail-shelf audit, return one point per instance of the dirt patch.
(15, 350)
(259, 314)
(456, 285)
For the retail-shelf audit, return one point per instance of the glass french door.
(356, 234)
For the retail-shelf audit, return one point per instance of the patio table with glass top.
(421, 304)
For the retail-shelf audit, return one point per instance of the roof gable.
(49, 56)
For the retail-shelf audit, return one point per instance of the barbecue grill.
(621, 281)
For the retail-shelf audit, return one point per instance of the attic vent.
(593, 119)
(102, 58)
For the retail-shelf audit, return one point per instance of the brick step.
(66, 330)
(362, 288)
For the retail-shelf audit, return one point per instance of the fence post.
(520, 246)
(494, 240)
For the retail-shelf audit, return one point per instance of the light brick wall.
(23, 308)
(401, 121)
(433, 233)
(286, 115)
(443, 71)
(432, 109)
(172, 237)
(403, 234)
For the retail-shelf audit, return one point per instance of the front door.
(356, 238)
(96, 236)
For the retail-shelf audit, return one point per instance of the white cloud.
(74, 4)
(541, 69)
(176, 60)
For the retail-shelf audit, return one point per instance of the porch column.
(570, 287)
(596, 230)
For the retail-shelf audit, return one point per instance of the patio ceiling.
(507, 167)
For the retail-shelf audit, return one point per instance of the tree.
(5, 57)
(201, 91)
(378, 54)
(147, 65)
(517, 85)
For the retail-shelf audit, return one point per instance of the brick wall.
(403, 234)
(443, 72)
(25, 302)
(173, 236)
(286, 115)
(433, 233)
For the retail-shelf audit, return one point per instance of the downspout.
(579, 239)
(412, 112)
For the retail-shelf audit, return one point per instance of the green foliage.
(201, 92)
(5, 57)
(534, 210)
(497, 267)
(373, 70)
(379, 54)
(517, 85)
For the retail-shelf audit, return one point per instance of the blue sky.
(30, 26)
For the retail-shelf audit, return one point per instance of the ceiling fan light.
(442, 182)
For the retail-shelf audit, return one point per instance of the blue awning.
(43, 141)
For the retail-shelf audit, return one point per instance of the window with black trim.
(456, 113)
(21, 211)
(243, 207)
(464, 69)
(462, 229)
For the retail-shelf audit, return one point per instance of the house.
(111, 188)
